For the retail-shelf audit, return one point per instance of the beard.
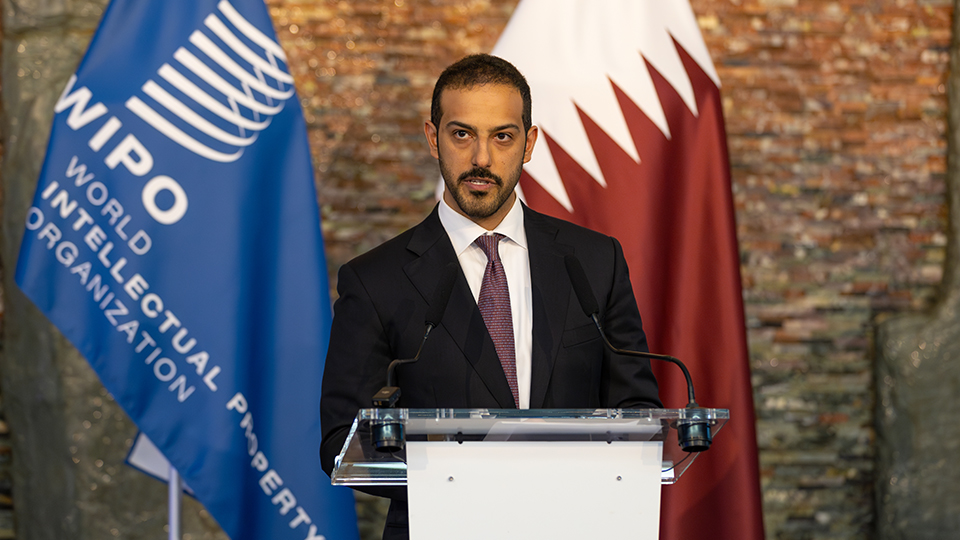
(479, 204)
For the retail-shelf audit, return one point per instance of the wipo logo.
(249, 86)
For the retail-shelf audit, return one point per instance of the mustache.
(478, 172)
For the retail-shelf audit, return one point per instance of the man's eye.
(503, 136)
(460, 134)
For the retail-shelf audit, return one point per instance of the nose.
(481, 154)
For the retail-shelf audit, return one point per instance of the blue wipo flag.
(174, 238)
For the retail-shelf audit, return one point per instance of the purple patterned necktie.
(494, 306)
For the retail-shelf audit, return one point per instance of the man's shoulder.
(383, 255)
(399, 249)
(566, 230)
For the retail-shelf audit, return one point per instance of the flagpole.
(173, 501)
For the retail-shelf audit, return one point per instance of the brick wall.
(836, 116)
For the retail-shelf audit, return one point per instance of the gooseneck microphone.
(388, 434)
(693, 432)
(390, 394)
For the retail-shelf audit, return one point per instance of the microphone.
(388, 434)
(693, 432)
(390, 394)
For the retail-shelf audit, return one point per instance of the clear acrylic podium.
(508, 473)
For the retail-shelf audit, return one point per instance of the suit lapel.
(551, 298)
(462, 319)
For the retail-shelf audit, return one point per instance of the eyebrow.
(474, 128)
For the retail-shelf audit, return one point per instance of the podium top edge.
(560, 414)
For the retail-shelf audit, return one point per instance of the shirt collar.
(463, 232)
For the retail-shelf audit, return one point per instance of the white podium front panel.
(534, 489)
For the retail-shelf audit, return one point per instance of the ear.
(430, 131)
(531, 140)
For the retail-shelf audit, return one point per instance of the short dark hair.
(477, 70)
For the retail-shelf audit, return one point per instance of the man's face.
(481, 146)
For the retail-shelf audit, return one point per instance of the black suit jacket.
(384, 297)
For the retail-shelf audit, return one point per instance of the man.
(513, 333)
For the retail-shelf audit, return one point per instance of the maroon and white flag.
(633, 145)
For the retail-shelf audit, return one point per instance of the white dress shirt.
(516, 264)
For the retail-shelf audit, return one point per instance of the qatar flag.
(633, 145)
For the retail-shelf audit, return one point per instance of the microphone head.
(441, 295)
(693, 431)
(581, 286)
